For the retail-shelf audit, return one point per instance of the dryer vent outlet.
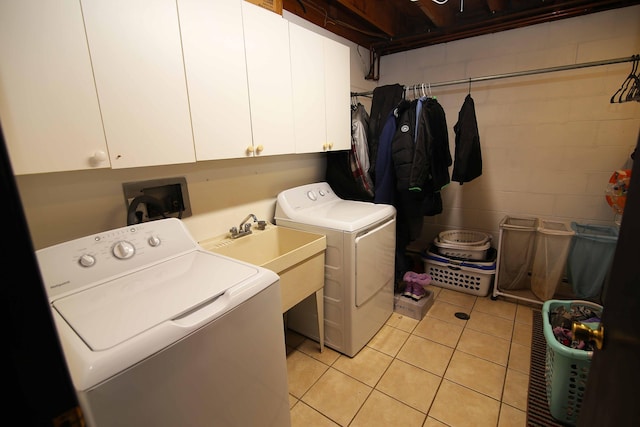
(171, 194)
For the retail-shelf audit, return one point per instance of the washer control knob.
(311, 195)
(154, 241)
(123, 250)
(87, 260)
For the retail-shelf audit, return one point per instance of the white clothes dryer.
(359, 264)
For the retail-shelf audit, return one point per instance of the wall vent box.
(171, 192)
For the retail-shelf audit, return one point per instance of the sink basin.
(275, 248)
(296, 256)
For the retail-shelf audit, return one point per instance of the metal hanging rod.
(508, 75)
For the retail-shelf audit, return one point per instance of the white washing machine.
(157, 331)
(359, 264)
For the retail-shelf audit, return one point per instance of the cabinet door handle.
(259, 149)
(249, 149)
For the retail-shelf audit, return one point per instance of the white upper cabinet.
(266, 38)
(48, 105)
(139, 73)
(320, 74)
(213, 46)
(337, 80)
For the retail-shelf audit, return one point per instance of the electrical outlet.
(170, 198)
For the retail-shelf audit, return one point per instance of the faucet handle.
(233, 231)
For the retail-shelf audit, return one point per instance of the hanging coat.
(385, 176)
(359, 154)
(468, 156)
(437, 145)
(385, 99)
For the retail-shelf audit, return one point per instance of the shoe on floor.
(417, 292)
(408, 289)
(419, 278)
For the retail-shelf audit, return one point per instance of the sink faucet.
(245, 228)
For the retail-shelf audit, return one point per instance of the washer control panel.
(87, 261)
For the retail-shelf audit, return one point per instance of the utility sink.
(298, 257)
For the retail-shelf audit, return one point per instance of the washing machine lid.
(117, 311)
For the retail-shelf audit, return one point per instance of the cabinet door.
(307, 75)
(266, 37)
(320, 73)
(48, 105)
(139, 71)
(213, 45)
(337, 81)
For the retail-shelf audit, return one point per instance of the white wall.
(549, 142)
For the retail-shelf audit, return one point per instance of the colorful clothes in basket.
(562, 319)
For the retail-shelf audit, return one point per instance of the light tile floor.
(440, 371)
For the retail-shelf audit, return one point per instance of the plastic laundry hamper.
(463, 244)
(553, 239)
(566, 368)
(515, 252)
(469, 276)
(590, 257)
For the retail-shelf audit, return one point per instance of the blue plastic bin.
(590, 257)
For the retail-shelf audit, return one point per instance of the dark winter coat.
(420, 148)
(384, 101)
(468, 156)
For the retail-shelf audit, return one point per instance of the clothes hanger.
(629, 84)
(631, 79)
(424, 94)
(634, 91)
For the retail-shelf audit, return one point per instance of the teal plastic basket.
(566, 369)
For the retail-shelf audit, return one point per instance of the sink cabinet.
(298, 257)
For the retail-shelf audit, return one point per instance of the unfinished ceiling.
(392, 26)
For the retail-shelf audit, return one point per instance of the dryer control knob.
(154, 241)
(123, 250)
(311, 195)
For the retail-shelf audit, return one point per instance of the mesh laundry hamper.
(553, 240)
(590, 257)
(515, 252)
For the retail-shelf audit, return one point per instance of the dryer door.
(375, 258)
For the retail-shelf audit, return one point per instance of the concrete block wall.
(550, 141)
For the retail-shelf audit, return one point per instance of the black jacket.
(468, 156)
(420, 148)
